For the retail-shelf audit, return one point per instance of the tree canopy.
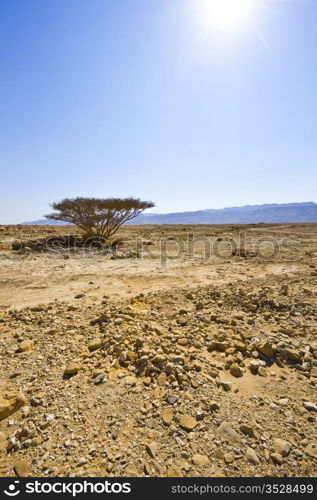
(98, 216)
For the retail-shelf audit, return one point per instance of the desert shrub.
(96, 217)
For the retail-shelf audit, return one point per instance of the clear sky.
(152, 98)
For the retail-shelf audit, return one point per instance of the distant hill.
(250, 214)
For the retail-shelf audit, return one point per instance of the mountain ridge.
(304, 212)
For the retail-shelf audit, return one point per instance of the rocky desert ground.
(177, 351)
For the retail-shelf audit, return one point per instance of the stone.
(226, 386)
(262, 371)
(228, 458)
(152, 448)
(277, 458)
(94, 344)
(21, 468)
(218, 454)
(187, 422)
(161, 379)
(82, 461)
(10, 402)
(200, 460)
(292, 355)
(283, 402)
(248, 429)
(25, 346)
(173, 472)
(254, 367)
(284, 290)
(266, 349)
(213, 406)
(159, 359)
(240, 346)
(3, 443)
(72, 369)
(309, 406)
(158, 392)
(218, 346)
(167, 416)
(100, 379)
(171, 400)
(130, 380)
(311, 452)
(282, 447)
(183, 341)
(227, 432)
(251, 456)
(236, 370)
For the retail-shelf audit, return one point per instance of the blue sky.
(134, 97)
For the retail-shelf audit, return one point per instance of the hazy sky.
(145, 98)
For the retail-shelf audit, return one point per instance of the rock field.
(124, 367)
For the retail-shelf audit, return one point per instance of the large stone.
(200, 460)
(25, 346)
(292, 355)
(236, 370)
(277, 458)
(10, 402)
(252, 457)
(167, 416)
(218, 346)
(95, 344)
(187, 422)
(227, 432)
(248, 429)
(266, 349)
(72, 369)
(282, 447)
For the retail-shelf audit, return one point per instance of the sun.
(227, 16)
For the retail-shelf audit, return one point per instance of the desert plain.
(174, 351)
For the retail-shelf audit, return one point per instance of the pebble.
(82, 461)
(187, 422)
(236, 370)
(227, 432)
(277, 458)
(72, 369)
(3, 443)
(25, 346)
(282, 447)
(226, 386)
(167, 416)
(248, 429)
(310, 406)
(251, 456)
(152, 448)
(200, 460)
(21, 468)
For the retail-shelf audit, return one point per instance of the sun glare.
(227, 16)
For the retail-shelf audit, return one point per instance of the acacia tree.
(96, 216)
